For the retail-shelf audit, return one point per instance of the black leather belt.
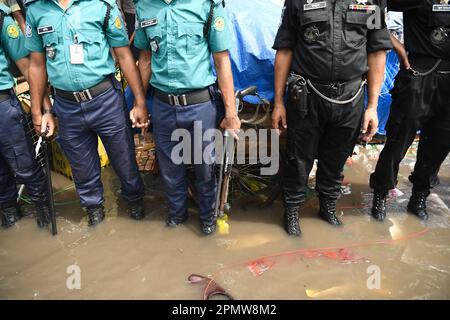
(427, 62)
(334, 90)
(5, 95)
(187, 99)
(88, 94)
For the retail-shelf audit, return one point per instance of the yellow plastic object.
(222, 225)
(61, 165)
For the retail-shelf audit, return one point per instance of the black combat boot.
(10, 213)
(379, 205)
(136, 209)
(208, 228)
(328, 211)
(42, 214)
(291, 221)
(95, 215)
(418, 204)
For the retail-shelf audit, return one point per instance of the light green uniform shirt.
(53, 30)
(12, 46)
(181, 55)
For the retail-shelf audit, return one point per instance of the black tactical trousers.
(328, 133)
(419, 103)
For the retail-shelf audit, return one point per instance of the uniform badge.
(28, 31)
(13, 31)
(311, 5)
(362, 2)
(154, 45)
(118, 23)
(149, 23)
(50, 51)
(45, 29)
(439, 36)
(442, 7)
(311, 34)
(219, 24)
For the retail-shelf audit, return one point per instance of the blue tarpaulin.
(254, 24)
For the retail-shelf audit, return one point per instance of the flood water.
(125, 259)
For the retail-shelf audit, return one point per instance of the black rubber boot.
(418, 204)
(328, 211)
(291, 221)
(379, 205)
(42, 215)
(208, 228)
(136, 209)
(172, 223)
(10, 214)
(95, 215)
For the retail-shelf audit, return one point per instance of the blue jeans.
(166, 119)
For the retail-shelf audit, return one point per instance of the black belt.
(337, 89)
(190, 98)
(88, 94)
(5, 95)
(427, 62)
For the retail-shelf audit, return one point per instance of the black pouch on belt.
(298, 93)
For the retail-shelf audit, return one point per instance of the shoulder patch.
(118, 23)
(219, 24)
(28, 31)
(13, 31)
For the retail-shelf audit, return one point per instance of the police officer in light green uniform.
(177, 39)
(17, 156)
(71, 42)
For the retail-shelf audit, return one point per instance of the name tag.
(315, 6)
(149, 23)
(45, 29)
(362, 7)
(441, 7)
(76, 54)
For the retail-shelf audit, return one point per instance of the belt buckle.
(336, 89)
(82, 96)
(176, 99)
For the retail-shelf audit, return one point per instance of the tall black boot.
(328, 211)
(379, 205)
(418, 204)
(95, 215)
(42, 214)
(136, 209)
(291, 221)
(11, 213)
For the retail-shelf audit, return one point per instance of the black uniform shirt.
(423, 27)
(331, 43)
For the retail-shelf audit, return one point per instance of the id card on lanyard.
(76, 52)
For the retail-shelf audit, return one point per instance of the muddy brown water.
(124, 259)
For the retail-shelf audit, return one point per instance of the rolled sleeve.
(116, 32)
(219, 35)
(13, 40)
(33, 41)
(140, 40)
(286, 35)
(379, 40)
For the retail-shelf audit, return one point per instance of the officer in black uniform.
(421, 101)
(324, 50)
